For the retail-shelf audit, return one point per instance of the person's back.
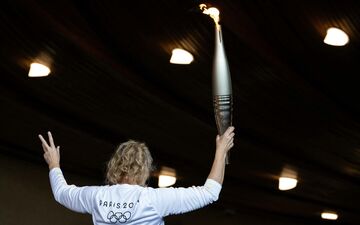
(126, 200)
(122, 203)
(131, 204)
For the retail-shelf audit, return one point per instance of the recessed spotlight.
(336, 37)
(287, 183)
(329, 215)
(181, 56)
(288, 178)
(38, 70)
(167, 177)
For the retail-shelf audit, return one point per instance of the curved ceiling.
(295, 98)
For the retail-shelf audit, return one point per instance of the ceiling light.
(336, 37)
(288, 178)
(180, 56)
(38, 70)
(287, 183)
(166, 181)
(329, 216)
(167, 177)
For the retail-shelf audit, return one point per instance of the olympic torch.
(221, 79)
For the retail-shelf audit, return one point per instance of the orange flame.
(213, 12)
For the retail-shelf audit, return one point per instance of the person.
(126, 199)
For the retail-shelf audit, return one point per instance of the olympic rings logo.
(121, 217)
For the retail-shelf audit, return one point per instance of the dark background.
(296, 103)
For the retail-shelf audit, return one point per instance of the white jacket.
(131, 204)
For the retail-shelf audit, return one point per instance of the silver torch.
(221, 79)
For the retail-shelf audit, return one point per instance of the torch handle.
(223, 107)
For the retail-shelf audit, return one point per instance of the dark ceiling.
(296, 100)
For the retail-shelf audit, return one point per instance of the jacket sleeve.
(168, 201)
(79, 199)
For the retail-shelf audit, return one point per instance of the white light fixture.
(180, 56)
(336, 37)
(329, 216)
(38, 70)
(166, 181)
(167, 177)
(288, 178)
(287, 183)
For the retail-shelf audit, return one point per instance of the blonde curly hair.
(130, 163)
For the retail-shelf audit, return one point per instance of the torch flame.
(213, 12)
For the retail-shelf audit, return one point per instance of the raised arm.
(79, 199)
(223, 144)
(167, 201)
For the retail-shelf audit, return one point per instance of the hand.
(51, 153)
(226, 141)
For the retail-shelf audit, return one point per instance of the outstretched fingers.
(51, 140)
(44, 143)
(51, 152)
(58, 151)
